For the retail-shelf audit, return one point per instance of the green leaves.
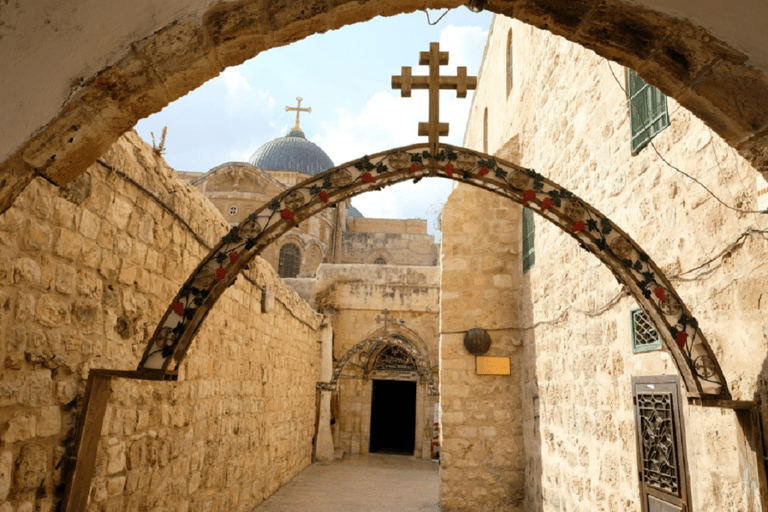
(232, 237)
(364, 164)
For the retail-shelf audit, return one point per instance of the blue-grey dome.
(354, 212)
(291, 153)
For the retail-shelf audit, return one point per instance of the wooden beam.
(89, 425)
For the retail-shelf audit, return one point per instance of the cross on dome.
(298, 111)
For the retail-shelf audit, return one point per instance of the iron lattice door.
(660, 437)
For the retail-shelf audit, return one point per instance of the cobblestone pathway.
(361, 483)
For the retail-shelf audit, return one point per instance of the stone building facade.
(575, 442)
(553, 106)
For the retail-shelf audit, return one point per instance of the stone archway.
(166, 52)
(376, 344)
(594, 231)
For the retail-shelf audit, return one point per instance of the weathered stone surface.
(31, 467)
(6, 470)
(20, 428)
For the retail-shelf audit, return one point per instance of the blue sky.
(345, 77)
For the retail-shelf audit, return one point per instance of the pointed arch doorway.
(386, 390)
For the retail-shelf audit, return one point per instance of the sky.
(345, 77)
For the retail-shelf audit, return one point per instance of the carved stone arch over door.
(594, 231)
(369, 351)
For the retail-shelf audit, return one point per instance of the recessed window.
(529, 255)
(380, 261)
(644, 334)
(233, 210)
(290, 261)
(648, 113)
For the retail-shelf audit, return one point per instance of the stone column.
(324, 442)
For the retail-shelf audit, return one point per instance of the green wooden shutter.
(529, 256)
(644, 334)
(648, 112)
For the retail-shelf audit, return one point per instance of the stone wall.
(569, 117)
(86, 271)
(482, 466)
(397, 242)
(357, 295)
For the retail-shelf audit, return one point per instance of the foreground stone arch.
(197, 41)
(592, 230)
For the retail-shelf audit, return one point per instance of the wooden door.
(661, 461)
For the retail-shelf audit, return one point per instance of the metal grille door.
(660, 444)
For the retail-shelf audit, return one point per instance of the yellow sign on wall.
(492, 365)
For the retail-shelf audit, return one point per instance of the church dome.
(292, 153)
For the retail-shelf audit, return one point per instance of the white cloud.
(235, 82)
(464, 44)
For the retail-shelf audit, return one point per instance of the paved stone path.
(361, 483)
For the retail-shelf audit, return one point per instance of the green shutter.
(644, 334)
(529, 256)
(647, 111)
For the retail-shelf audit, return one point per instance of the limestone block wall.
(357, 294)
(397, 242)
(483, 456)
(86, 271)
(569, 115)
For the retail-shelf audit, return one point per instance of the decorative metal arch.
(594, 231)
(376, 345)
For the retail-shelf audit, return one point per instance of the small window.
(644, 335)
(380, 261)
(529, 256)
(233, 210)
(290, 261)
(648, 113)
(509, 61)
(485, 130)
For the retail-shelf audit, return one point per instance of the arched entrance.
(594, 231)
(386, 391)
(161, 53)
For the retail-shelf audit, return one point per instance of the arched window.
(380, 261)
(509, 61)
(290, 261)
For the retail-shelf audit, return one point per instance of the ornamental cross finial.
(434, 58)
(298, 111)
(387, 319)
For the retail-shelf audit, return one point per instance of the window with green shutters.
(644, 334)
(647, 111)
(529, 256)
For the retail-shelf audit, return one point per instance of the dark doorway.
(393, 417)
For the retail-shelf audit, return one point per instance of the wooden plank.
(724, 404)
(89, 426)
(143, 374)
